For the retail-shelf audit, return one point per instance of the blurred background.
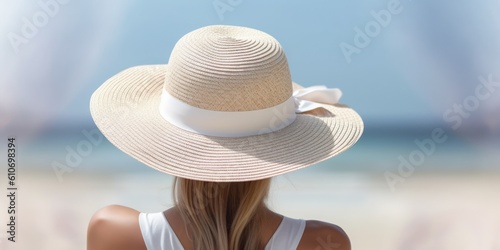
(424, 75)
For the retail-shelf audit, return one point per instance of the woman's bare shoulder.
(115, 227)
(323, 235)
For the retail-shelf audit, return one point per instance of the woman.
(223, 117)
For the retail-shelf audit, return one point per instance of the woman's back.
(119, 227)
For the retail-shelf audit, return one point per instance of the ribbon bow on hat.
(310, 98)
(245, 123)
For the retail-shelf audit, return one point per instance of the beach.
(423, 75)
(445, 211)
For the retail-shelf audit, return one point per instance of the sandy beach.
(429, 211)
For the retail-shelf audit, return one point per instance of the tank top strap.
(157, 233)
(288, 234)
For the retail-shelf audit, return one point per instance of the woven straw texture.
(125, 109)
(227, 68)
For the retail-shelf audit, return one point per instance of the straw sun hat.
(224, 108)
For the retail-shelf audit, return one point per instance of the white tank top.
(158, 235)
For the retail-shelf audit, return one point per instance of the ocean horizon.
(380, 149)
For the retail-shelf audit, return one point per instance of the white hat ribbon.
(310, 98)
(244, 123)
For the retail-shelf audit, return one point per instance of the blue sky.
(426, 58)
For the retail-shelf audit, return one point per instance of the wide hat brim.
(126, 110)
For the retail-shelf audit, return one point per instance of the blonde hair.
(224, 216)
